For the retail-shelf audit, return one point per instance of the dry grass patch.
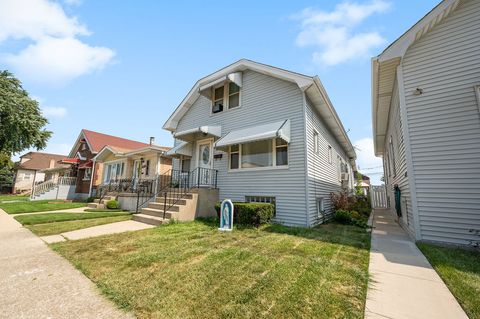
(191, 270)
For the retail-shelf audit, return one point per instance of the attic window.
(226, 96)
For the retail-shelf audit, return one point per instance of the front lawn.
(7, 198)
(460, 269)
(38, 206)
(61, 217)
(62, 227)
(192, 270)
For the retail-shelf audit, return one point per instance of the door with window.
(204, 163)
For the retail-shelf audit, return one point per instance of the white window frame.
(273, 154)
(320, 207)
(113, 168)
(392, 156)
(200, 142)
(477, 93)
(87, 177)
(226, 98)
(230, 152)
(316, 139)
(24, 178)
(330, 154)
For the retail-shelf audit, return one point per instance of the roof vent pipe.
(152, 140)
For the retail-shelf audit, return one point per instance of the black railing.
(175, 185)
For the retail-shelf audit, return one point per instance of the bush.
(250, 214)
(362, 205)
(113, 204)
(90, 199)
(342, 201)
(343, 216)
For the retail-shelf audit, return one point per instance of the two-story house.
(263, 134)
(426, 123)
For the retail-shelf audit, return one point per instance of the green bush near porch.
(251, 214)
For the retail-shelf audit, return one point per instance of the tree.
(21, 121)
(358, 183)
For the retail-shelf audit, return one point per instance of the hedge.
(250, 214)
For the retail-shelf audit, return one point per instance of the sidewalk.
(402, 283)
(35, 282)
(100, 230)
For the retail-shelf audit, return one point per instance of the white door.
(204, 163)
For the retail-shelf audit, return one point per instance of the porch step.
(160, 197)
(183, 201)
(158, 213)
(148, 219)
(96, 205)
(159, 206)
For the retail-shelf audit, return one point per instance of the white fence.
(379, 196)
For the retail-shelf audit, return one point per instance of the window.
(233, 95)
(320, 207)
(26, 176)
(315, 141)
(387, 161)
(186, 165)
(147, 168)
(227, 95)
(218, 94)
(88, 174)
(257, 154)
(234, 156)
(281, 152)
(392, 156)
(262, 199)
(329, 154)
(266, 153)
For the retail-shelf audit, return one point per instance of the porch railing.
(176, 184)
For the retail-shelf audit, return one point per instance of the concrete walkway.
(402, 283)
(35, 282)
(107, 229)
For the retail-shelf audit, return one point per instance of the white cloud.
(367, 162)
(333, 33)
(73, 2)
(56, 54)
(59, 59)
(51, 111)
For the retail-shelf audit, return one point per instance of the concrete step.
(96, 205)
(160, 197)
(160, 206)
(148, 219)
(96, 200)
(160, 200)
(158, 213)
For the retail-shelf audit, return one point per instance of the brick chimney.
(52, 163)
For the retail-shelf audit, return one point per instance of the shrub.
(90, 199)
(342, 201)
(362, 205)
(355, 215)
(250, 214)
(342, 216)
(113, 204)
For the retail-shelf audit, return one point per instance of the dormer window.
(225, 97)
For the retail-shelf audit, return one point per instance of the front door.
(204, 163)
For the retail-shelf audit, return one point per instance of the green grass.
(192, 270)
(103, 210)
(61, 227)
(13, 197)
(460, 269)
(38, 206)
(62, 217)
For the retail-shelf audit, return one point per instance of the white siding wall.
(264, 100)
(323, 177)
(444, 125)
(395, 131)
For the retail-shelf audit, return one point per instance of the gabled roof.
(39, 161)
(96, 141)
(128, 152)
(384, 68)
(312, 87)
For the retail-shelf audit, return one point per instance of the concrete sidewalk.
(100, 230)
(35, 282)
(402, 283)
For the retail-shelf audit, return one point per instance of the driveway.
(35, 282)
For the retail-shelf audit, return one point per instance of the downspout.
(92, 178)
(33, 184)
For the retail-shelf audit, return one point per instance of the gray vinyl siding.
(264, 99)
(395, 131)
(322, 176)
(444, 125)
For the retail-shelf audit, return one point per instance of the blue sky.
(121, 67)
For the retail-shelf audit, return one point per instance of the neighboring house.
(362, 181)
(426, 122)
(263, 134)
(36, 167)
